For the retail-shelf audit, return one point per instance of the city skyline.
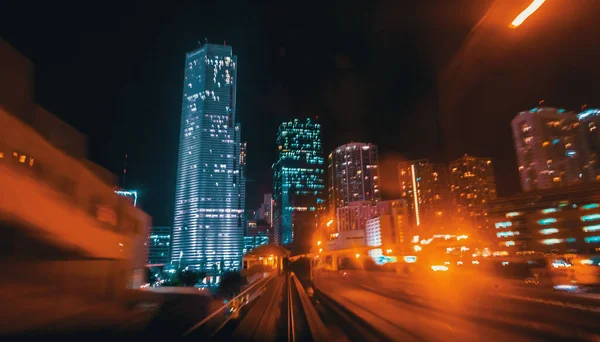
(148, 72)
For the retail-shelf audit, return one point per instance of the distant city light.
(590, 206)
(513, 214)
(436, 268)
(594, 228)
(503, 224)
(548, 231)
(592, 217)
(548, 220)
(410, 259)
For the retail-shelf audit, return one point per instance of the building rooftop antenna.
(124, 172)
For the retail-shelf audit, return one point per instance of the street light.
(319, 243)
(526, 13)
(357, 255)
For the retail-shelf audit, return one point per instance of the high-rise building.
(472, 187)
(589, 120)
(159, 244)
(298, 182)
(425, 187)
(551, 149)
(208, 226)
(353, 174)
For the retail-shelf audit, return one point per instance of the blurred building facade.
(425, 188)
(355, 215)
(48, 188)
(551, 149)
(388, 229)
(472, 186)
(159, 245)
(353, 174)
(565, 220)
(298, 182)
(208, 226)
(590, 120)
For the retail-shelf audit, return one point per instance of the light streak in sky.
(526, 13)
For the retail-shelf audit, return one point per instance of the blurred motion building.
(551, 148)
(565, 220)
(208, 228)
(298, 182)
(589, 120)
(63, 226)
(425, 188)
(159, 245)
(472, 186)
(353, 174)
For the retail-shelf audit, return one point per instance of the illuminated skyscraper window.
(208, 226)
(298, 182)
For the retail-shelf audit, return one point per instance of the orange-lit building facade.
(472, 186)
(425, 188)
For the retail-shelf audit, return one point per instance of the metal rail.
(259, 285)
(290, 313)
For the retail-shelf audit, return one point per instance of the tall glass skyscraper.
(208, 227)
(298, 182)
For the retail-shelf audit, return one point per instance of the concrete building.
(472, 186)
(353, 174)
(551, 148)
(565, 220)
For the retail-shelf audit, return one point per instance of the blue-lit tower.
(298, 182)
(208, 227)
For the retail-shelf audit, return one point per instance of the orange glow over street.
(526, 13)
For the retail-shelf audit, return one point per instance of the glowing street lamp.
(319, 243)
(357, 255)
(526, 13)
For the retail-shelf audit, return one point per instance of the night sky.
(406, 75)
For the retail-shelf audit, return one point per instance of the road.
(450, 309)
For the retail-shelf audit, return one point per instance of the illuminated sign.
(131, 195)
